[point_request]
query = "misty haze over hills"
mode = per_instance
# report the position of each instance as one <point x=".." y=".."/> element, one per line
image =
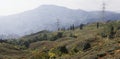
<point x="44" y="17"/>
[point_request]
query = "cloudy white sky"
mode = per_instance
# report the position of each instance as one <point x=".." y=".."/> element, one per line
<point x="8" y="7"/>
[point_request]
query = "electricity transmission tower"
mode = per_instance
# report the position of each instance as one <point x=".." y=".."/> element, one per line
<point x="103" y="10"/>
<point x="103" y="17"/>
<point x="58" y="24"/>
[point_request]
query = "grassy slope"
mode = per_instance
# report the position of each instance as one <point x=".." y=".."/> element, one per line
<point x="8" y="51"/>
<point x="109" y="48"/>
<point x="99" y="45"/>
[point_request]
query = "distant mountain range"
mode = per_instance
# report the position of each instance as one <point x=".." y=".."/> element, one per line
<point x="45" y="17"/>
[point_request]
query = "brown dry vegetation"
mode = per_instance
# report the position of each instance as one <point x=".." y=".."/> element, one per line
<point x="87" y="43"/>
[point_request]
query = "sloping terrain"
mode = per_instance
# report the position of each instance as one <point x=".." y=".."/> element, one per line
<point x="87" y="43"/>
<point x="9" y="51"/>
<point x="45" y="17"/>
<point x="93" y="41"/>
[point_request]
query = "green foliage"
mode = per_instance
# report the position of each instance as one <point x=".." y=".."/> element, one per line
<point x="98" y="25"/>
<point x="82" y="46"/>
<point x="58" y="51"/>
<point x="44" y="37"/>
<point x="78" y="47"/>
<point x="57" y="36"/>
<point x="26" y="43"/>
<point x="81" y="26"/>
<point x="108" y="31"/>
<point x="77" y="44"/>
<point x="73" y="35"/>
<point x="103" y="35"/>
<point x="39" y="55"/>
<point x="72" y="27"/>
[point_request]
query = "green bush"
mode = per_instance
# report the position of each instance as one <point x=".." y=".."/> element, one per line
<point x="73" y="35"/>
<point x="83" y="46"/>
<point x="58" y="51"/>
<point x="103" y="34"/>
<point x="78" y="46"/>
<point x="57" y="36"/>
<point x="39" y="55"/>
<point x="108" y="31"/>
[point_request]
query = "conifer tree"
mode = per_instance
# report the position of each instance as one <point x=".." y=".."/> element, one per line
<point x="81" y="26"/>
<point x="97" y="25"/>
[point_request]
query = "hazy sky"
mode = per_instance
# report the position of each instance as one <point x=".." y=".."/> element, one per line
<point x="8" y="7"/>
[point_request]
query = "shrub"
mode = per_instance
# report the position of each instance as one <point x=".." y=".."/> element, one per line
<point x="73" y="35"/>
<point x="98" y="25"/>
<point x="26" y="43"/>
<point x="81" y="26"/>
<point x="58" y="51"/>
<point x="103" y="35"/>
<point x="59" y="35"/>
<point x="63" y="49"/>
<point x="83" y="46"/>
<point x="52" y="55"/>
<point x="108" y="31"/>
<point x="39" y="55"/>
<point x="72" y="27"/>
<point x="45" y="37"/>
<point x="78" y="46"/>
